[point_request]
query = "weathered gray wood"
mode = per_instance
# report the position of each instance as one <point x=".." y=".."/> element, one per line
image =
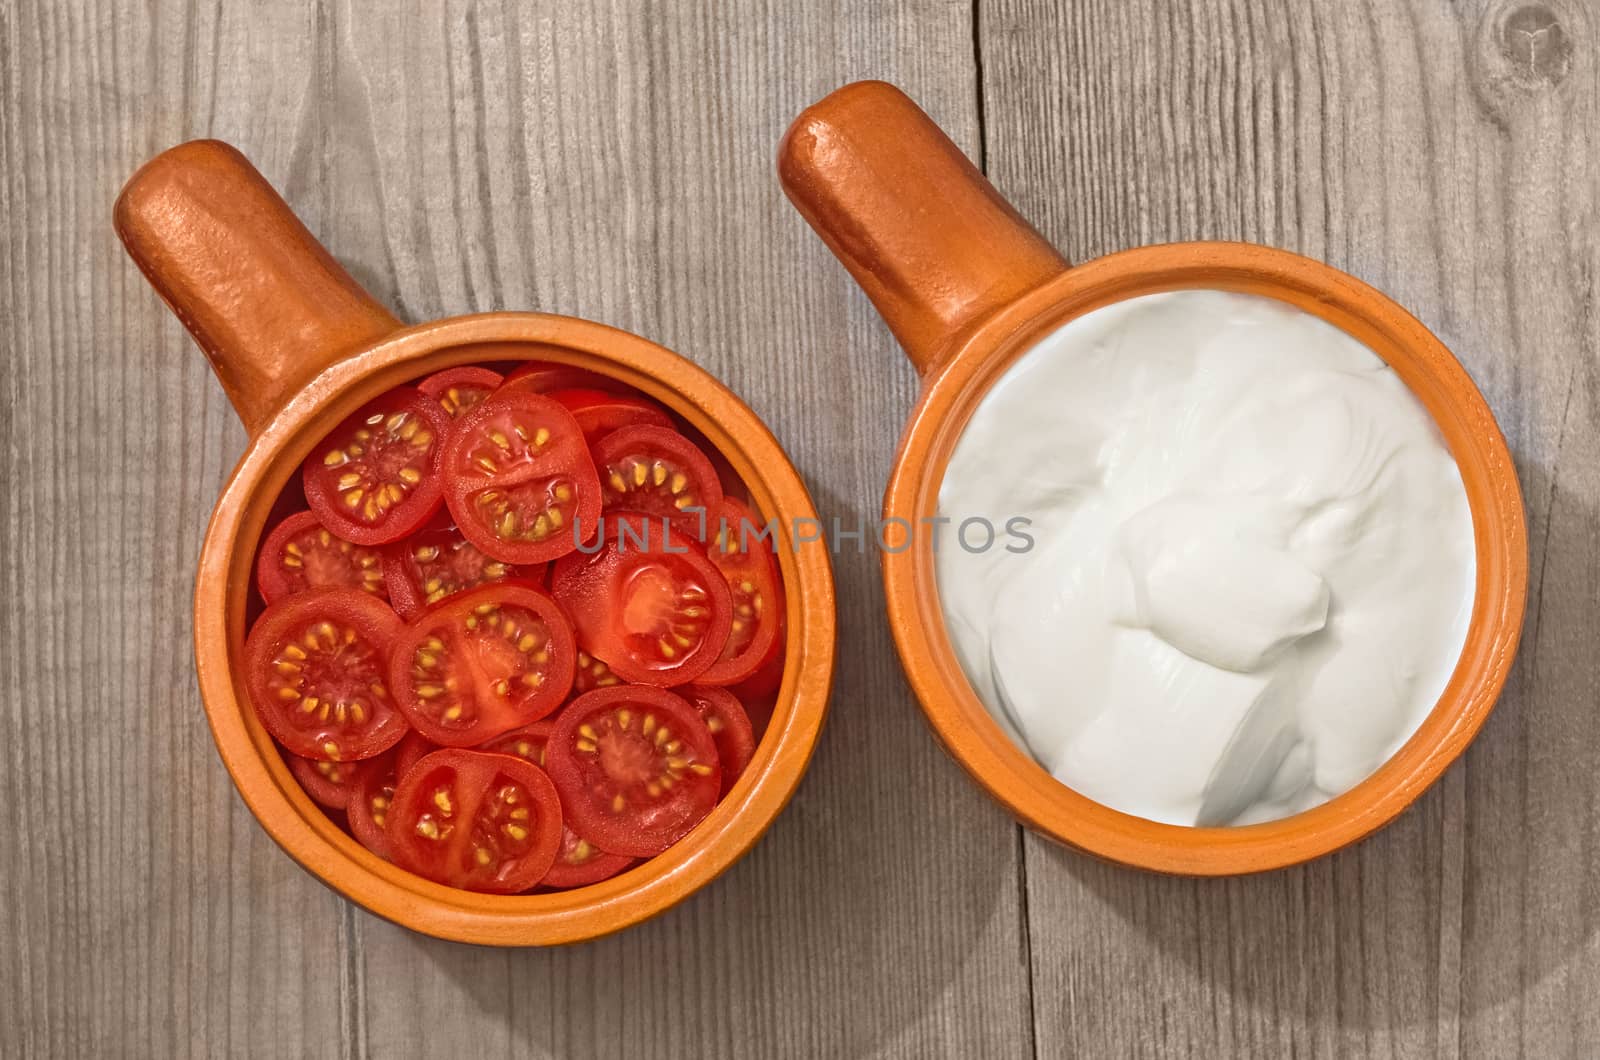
<point x="145" y="913"/>
<point x="1442" y="152"/>
<point x="613" y="161"/>
<point x="632" y="152"/>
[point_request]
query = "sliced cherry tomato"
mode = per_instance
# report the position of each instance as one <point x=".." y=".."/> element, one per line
<point x="768" y="676"/>
<point x="482" y="663"/>
<point x="482" y="822"/>
<point x="730" y="727"/>
<point x="368" y="809"/>
<point x="410" y="750"/>
<point x="759" y="692"/>
<point x="648" y="603"/>
<point x="301" y="553"/>
<point x="527" y="742"/>
<point x="636" y="766"/>
<point x="315" y="666"/>
<point x="592" y="674"/>
<point x="374" y="478"/>
<point x="460" y="390"/>
<point x="732" y="485"/>
<point x="521" y="483"/>
<point x="328" y="783"/>
<point x="579" y="863"/>
<point x="437" y="562"/>
<point x="542" y="377"/>
<point x="599" y="412"/>
<point x="737" y="550"/>
<point x="657" y="471"/>
<point x="372" y="793"/>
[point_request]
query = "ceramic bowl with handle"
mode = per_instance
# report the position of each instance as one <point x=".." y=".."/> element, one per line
<point x="967" y="286"/>
<point x="298" y="346"/>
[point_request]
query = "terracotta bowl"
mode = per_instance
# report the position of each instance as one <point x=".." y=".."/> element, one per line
<point x="298" y="345"/>
<point x="967" y="286"/>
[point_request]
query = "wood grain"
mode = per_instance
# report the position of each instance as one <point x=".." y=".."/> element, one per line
<point x="615" y="161"/>
<point x="1442" y="153"/>
<point x="611" y="161"/>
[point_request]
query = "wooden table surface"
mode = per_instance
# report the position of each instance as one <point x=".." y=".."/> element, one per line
<point x="614" y="161"/>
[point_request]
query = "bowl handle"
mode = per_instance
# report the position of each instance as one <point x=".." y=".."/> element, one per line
<point x="935" y="247"/>
<point x="264" y="300"/>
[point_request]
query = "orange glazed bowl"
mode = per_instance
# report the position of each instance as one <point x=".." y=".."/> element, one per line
<point x="298" y="346"/>
<point x="967" y="287"/>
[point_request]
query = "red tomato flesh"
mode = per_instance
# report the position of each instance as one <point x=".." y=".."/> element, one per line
<point x="657" y="471"/>
<point x="482" y="822"/>
<point x="368" y="808"/>
<point x="592" y="674"/>
<point x="436" y="563"/>
<point x="730" y="728"/>
<point x="752" y="576"/>
<point x="759" y="692"/>
<point x="648" y="603"/>
<point x="374" y="478"/>
<point x="527" y="742"/>
<point x="373" y="793"/>
<point x="411" y="750"/>
<point x="301" y="554"/>
<point x="579" y="861"/>
<point x="543" y="377"/>
<point x="636" y="767"/>
<point x="521" y="484"/>
<point x="315" y="666"/>
<point x="482" y="663"/>
<point x="599" y="413"/>
<point x="460" y="390"/>
<point x="328" y="783"/>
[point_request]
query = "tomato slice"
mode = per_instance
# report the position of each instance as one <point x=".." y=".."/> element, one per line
<point x="482" y="663"/>
<point x="315" y="667"/>
<point x="657" y="471"/>
<point x="521" y="484"/>
<point x="438" y="562"/>
<point x="543" y="377"/>
<point x="527" y="742"/>
<point x="758" y="693"/>
<point x="648" y="603"/>
<point x="301" y="554"/>
<point x="460" y="390"/>
<point x="579" y="861"/>
<point x="592" y="674"/>
<point x="374" y="478"/>
<point x="410" y="750"/>
<point x="328" y="783"/>
<point x="372" y="793"/>
<point x="599" y="413"/>
<point x="368" y="808"/>
<point x="747" y="564"/>
<point x="636" y="767"/>
<point x="730" y="728"/>
<point x="482" y="822"/>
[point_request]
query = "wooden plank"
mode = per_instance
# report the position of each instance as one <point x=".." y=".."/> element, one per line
<point x="590" y="159"/>
<point x="1443" y="153"/>
<point x="146" y="914"/>
<point x="617" y="163"/>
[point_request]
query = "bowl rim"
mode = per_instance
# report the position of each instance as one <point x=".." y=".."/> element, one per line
<point x="966" y="729"/>
<point x="305" y="831"/>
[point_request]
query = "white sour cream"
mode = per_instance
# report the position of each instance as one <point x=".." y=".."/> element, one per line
<point x="1252" y="564"/>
